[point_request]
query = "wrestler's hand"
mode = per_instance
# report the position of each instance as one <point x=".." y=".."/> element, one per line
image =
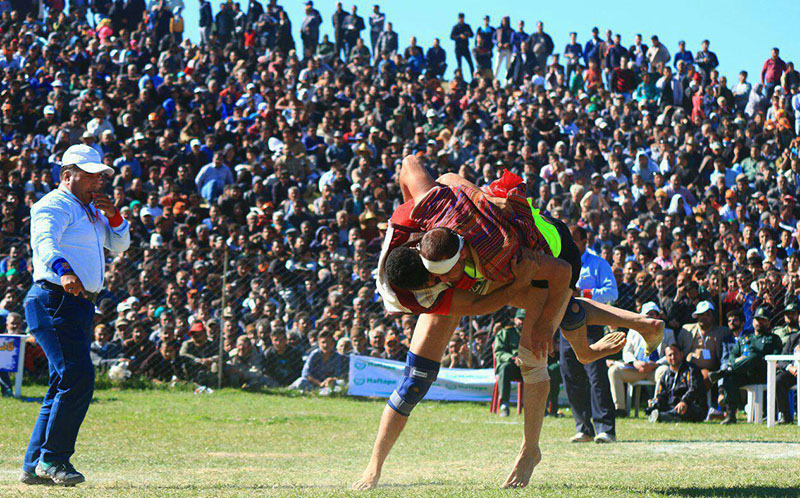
<point x="502" y="203"/>
<point x="542" y="343"/>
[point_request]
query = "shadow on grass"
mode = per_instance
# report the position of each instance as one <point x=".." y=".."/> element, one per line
<point x="737" y="441"/>
<point x="735" y="492"/>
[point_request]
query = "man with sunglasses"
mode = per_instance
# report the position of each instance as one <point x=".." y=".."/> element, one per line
<point x="70" y="228"/>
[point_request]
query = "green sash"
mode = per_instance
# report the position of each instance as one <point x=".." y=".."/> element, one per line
<point x="547" y="229"/>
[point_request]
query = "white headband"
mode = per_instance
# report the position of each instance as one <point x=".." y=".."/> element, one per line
<point x="445" y="265"/>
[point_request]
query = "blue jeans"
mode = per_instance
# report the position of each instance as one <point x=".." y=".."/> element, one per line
<point x="61" y="324"/>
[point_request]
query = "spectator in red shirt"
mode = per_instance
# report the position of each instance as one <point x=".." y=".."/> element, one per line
<point x="772" y="71"/>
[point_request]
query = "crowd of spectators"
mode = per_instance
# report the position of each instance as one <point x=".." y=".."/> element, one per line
<point x="277" y="161"/>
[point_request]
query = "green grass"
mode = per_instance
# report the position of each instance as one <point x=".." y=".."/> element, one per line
<point x="232" y="443"/>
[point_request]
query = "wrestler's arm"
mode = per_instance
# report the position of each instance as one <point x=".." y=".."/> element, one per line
<point x="468" y="303"/>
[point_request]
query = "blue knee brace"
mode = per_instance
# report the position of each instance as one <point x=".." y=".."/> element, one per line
<point x="575" y="316"/>
<point x="419" y="374"/>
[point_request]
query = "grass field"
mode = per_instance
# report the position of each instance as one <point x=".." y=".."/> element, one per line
<point x="232" y="443"/>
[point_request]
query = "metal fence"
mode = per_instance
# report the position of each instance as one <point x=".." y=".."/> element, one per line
<point x="217" y="309"/>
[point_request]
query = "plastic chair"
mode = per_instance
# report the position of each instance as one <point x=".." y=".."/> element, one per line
<point x="755" y="402"/>
<point x="635" y="395"/>
<point x="494" y="404"/>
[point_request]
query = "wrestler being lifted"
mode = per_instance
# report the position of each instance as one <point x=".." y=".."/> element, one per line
<point x="472" y="240"/>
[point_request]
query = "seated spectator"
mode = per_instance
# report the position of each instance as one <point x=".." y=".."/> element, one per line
<point x="393" y="349"/>
<point x="707" y="337"/>
<point x="458" y="354"/>
<point x="637" y="365"/>
<point x="506" y="363"/>
<point x="786" y="378"/>
<point x="103" y="349"/>
<point x="138" y="348"/>
<point x="283" y="363"/>
<point x="200" y="354"/>
<point x="245" y="366"/>
<point x="324" y="369"/>
<point x="344" y="346"/>
<point x="164" y="365"/>
<point x="681" y="394"/>
<point x="375" y="348"/>
<point x="746" y="363"/>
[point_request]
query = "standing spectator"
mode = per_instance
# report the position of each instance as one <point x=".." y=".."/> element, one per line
<point x="176" y="26"/>
<point x="771" y="71"/>
<point x="502" y="39"/>
<point x="353" y="26"/>
<point x="519" y="36"/>
<point x="541" y="44"/>
<point x="338" y="21"/>
<point x="587" y="386"/>
<point x="376" y="26"/>
<point x="657" y="53"/>
<point x="638" y="51"/>
<point x="309" y="30"/>
<point x="706" y="62"/>
<point x="573" y="52"/>
<point x="683" y="55"/>
<point x="460" y="34"/>
<point x="681" y="394"/>
<point x="484" y="43"/>
<point x="747" y="364"/>
<point x="435" y="59"/>
<point x="741" y="92"/>
<point x="592" y="48"/>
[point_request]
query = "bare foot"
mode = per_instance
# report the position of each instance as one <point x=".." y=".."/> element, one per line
<point x="523" y="468"/>
<point x="606" y="346"/>
<point x="653" y="333"/>
<point x="368" y="481"/>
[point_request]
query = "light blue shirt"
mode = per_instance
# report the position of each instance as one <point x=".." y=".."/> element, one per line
<point x="597" y="276"/>
<point x="61" y="228"/>
<point x="209" y="172"/>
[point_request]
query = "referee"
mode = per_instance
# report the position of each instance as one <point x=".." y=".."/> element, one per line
<point x="70" y="226"/>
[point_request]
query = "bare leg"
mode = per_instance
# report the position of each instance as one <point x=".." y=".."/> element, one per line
<point x="535" y="399"/>
<point x="415" y="181"/>
<point x="602" y="314"/>
<point x="431" y="335"/>
<point x="587" y="353"/>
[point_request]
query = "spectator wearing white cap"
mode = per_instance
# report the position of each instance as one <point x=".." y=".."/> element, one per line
<point x="707" y="339"/>
<point x="637" y="364"/>
<point x="70" y="226"/>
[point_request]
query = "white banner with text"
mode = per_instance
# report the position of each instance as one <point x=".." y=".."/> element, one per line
<point x="378" y="378"/>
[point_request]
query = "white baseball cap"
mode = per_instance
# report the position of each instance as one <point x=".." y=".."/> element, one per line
<point x="702" y="307"/>
<point x="650" y="306"/>
<point x="85" y="158"/>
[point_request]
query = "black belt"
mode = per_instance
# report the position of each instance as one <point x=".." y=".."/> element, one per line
<point x="89" y="296"/>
